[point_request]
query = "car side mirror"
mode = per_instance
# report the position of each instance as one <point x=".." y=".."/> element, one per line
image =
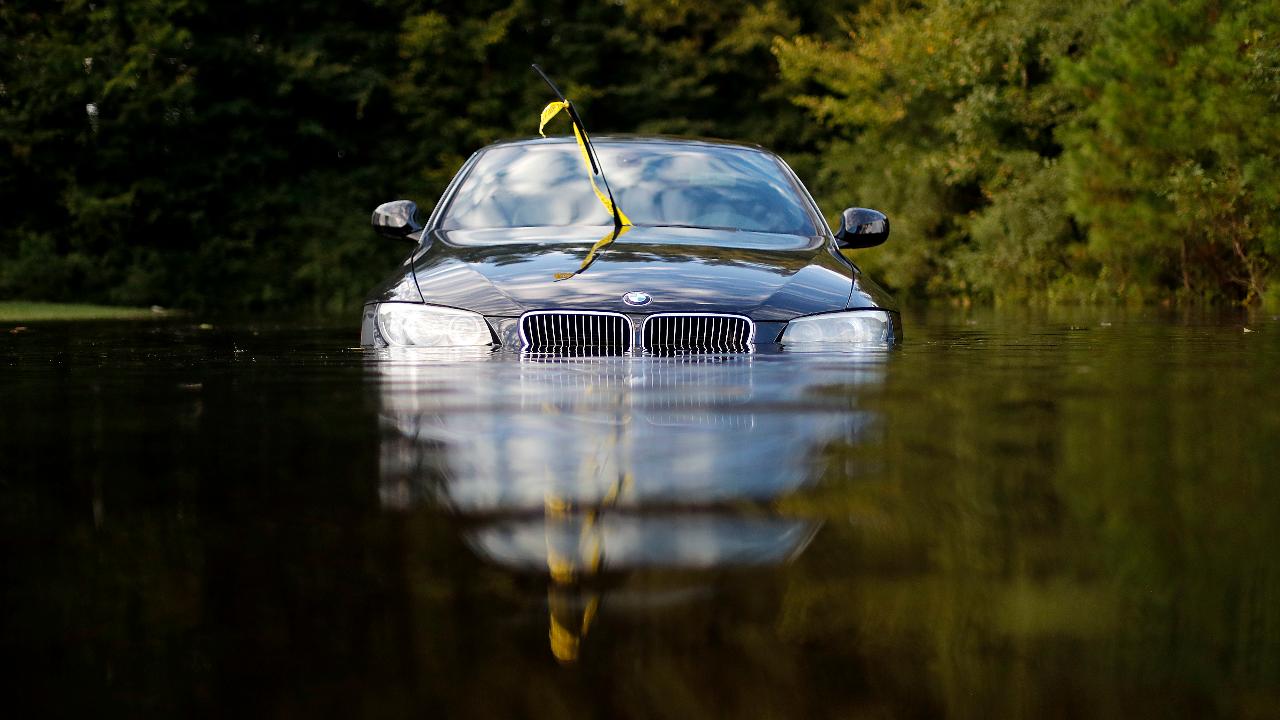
<point x="398" y="220"/>
<point x="862" y="228"/>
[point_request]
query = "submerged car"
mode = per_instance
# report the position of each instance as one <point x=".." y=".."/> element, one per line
<point x="723" y="250"/>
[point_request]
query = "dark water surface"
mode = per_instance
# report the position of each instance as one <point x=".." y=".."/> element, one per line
<point x="1069" y="514"/>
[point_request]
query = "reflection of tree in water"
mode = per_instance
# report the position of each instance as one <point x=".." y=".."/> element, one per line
<point x="1050" y="528"/>
<point x="1026" y="554"/>
<point x="991" y="553"/>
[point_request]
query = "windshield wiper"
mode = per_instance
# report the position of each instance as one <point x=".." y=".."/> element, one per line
<point x="695" y="227"/>
<point x="588" y="150"/>
<point x="621" y="223"/>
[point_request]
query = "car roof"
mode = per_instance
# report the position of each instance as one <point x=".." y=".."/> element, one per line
<point x="618" y="139"/>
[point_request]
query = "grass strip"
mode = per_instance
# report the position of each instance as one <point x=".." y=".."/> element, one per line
<point x="22" y="311"/>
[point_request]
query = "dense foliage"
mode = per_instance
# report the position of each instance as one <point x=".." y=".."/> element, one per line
<point x="198" y="153"/>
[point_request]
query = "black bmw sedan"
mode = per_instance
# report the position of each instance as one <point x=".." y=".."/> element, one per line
<point x="722" y="250"/>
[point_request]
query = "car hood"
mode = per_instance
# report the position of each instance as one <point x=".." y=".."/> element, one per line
<point x="506" y="272"/>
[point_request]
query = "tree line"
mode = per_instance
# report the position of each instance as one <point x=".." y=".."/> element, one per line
<point x="202" y="154"/>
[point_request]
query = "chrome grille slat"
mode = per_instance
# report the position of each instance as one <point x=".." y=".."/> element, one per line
<point x="575" y="331"/>
<point x="697" y="332"/>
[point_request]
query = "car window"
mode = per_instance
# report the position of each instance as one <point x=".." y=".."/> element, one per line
<point x="655" y="184"/>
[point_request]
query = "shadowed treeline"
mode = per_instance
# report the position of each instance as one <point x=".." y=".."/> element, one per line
<point x="191" y="153"/>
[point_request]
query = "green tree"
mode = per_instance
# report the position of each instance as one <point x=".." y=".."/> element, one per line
<point x="200" y="154"/>
<point x="942" y="113"/>
<point x="194" y="154"/>
<point x="1172" y="160"/>
<point x="187" y="153"/>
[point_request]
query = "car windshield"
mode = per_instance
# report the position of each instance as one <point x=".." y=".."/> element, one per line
<point x="657" y="184"/>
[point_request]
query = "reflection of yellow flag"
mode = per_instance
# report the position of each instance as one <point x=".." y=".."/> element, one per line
<point x="591" y="255"/>
<point x="551" y="110"/>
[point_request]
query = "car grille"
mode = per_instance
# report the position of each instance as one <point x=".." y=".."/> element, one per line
<point x="587" y="333"/>
<point x="575" y="332"/>
<point x="697" y="332"/>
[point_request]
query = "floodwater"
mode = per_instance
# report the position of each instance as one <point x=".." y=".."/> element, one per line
<point x="1016" y="514"/>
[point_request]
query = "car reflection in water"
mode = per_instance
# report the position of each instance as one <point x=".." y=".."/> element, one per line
<point x="586" y="469"/>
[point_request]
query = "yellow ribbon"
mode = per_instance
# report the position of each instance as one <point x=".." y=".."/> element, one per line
<point x="551" y="110"/>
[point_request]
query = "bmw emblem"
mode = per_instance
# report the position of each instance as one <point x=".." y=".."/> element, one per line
<point x="637" y="298"/>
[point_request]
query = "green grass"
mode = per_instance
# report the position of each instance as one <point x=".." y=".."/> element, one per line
<point x="19" y="311"/>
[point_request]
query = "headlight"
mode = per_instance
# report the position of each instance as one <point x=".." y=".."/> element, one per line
<point x="854" y="326"/>
<point x="431" y="326"/>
